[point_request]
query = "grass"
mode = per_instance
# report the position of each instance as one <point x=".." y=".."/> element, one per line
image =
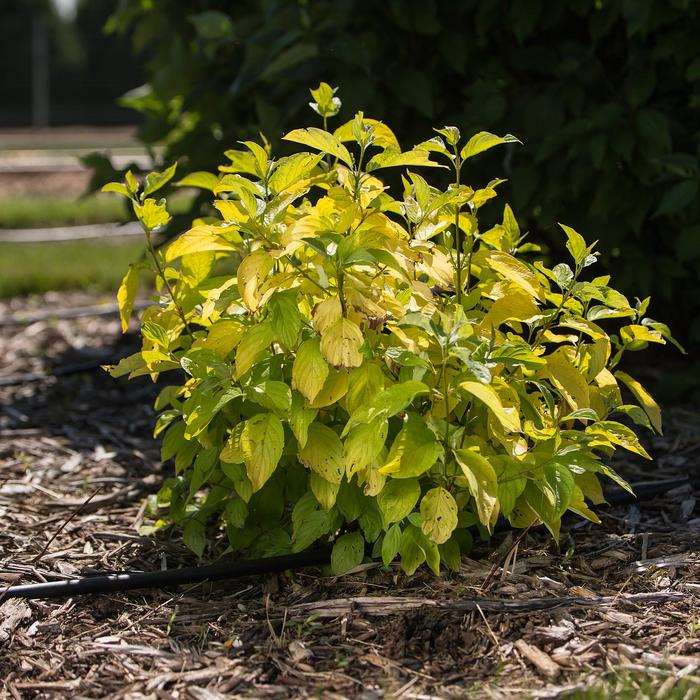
<point x="40" y="211"/>
<point x="630" y="686"/>
<point x="27" y="268"/>
<point x="37" y="212"/>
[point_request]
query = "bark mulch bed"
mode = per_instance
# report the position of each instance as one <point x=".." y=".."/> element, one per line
<point x="628" y="612"/>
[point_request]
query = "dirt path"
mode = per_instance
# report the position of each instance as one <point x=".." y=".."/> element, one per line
<point x="371" y="634"/>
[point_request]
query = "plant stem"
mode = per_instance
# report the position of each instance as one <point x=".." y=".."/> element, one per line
<point x="458" y="237"/>
<point x="161" y="273"/>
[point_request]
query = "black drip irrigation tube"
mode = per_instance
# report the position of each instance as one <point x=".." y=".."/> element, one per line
<point x="135" y="580"/>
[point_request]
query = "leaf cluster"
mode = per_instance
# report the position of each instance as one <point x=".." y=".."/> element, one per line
<point x="375" y="368"/>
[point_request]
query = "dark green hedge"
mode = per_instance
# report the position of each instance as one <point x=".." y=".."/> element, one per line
<point x="605" y="95"/>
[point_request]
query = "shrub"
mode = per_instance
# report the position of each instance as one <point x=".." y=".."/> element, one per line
<point x="363" y="368"/>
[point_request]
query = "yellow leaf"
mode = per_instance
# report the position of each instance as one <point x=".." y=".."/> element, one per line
<point x="231" y="210"/>
<point x="482" y="483"/>
<point x="323" y="453"/>
<point x="127" y="295"/>
<point x="578" y="505"/>
<point x="508" y="418"/>
<point x="307" y="227"/>
<point x="322" y="141"/>
<point x="644" y="397"/>
<point x="517" y="272"/>
<point x="334" y="388"/>
<point x="636" y="333"/>
<point x="261" y="443"/>
<point x="197" y="240"/>
<point x="309" y="370"/>
<point x="324" y="491"/>
<point x="327" y="314"/>
<point x="383" y="136"/>
<point x="618" y="434"/>
<point x="568" y="379"/>
<point x="341" y="342"/>
<point x="438" y="510"/>
<point x="514" y="306"/>
<point x="251" y="272"/>
<point x="222" y="337"/>
<point x="587" y="327"/>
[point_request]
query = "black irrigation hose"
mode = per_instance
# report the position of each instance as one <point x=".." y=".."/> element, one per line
<point x="132" y="580"/>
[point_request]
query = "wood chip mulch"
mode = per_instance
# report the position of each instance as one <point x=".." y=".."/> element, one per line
<point x="520" y="619"/>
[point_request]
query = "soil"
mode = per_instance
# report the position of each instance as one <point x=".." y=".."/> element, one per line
<point x="520" y="619"/>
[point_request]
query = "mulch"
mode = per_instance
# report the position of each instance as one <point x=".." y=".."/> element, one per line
<point x="522" y="618"/>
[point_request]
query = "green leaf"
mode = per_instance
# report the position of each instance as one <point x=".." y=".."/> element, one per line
<point x="348" y="552"/>
<point x="290" y="172"/>
<point x="309" y="370"/>
<point x="412" y="554"/>
<point x="208" y="405"/>
<point x="511" y="483"/>
<point x="416" y="548"/>
<point x="414" y="450"/>
<point x="300" y="418"/>
<point x="391" y="544"/>
<point x="393" y="158"/>
<point x="326" y="103"/>
<point x="550" y="495"/>
<point x="262" y="441"/>
<point x="251" y="273"/>
<point x="194" y="536"/>
<point x="201" y="179"/>
<point x="154" y="181"/>
<point x="236" y="512"/>
<point x="155" y="333"/>
<point x="276" y="396"/>
<point x="371" y="521"/>
<point x="451" y="554"/>
<point x="323" y="453"/>
<point x="212" y="25"/>
<point x="363" y="445"/>
<point x="254" y="343"/>
<point x="677" y="198"/>
<point x="438" y="510"/>
<point x="118" y="188"/>
<point x="397" y="499"/>
<point x="483" y="141"/>
<point x="309" y="522"/>
<point x="575" y="244"/>
<point x="322" y="141"/>
<point x="352" y="502"/>
<point x="482" y="483"/>
<point x="388" y="402"/>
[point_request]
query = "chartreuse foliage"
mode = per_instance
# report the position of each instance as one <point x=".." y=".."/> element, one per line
<point x="365" y="368"/>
